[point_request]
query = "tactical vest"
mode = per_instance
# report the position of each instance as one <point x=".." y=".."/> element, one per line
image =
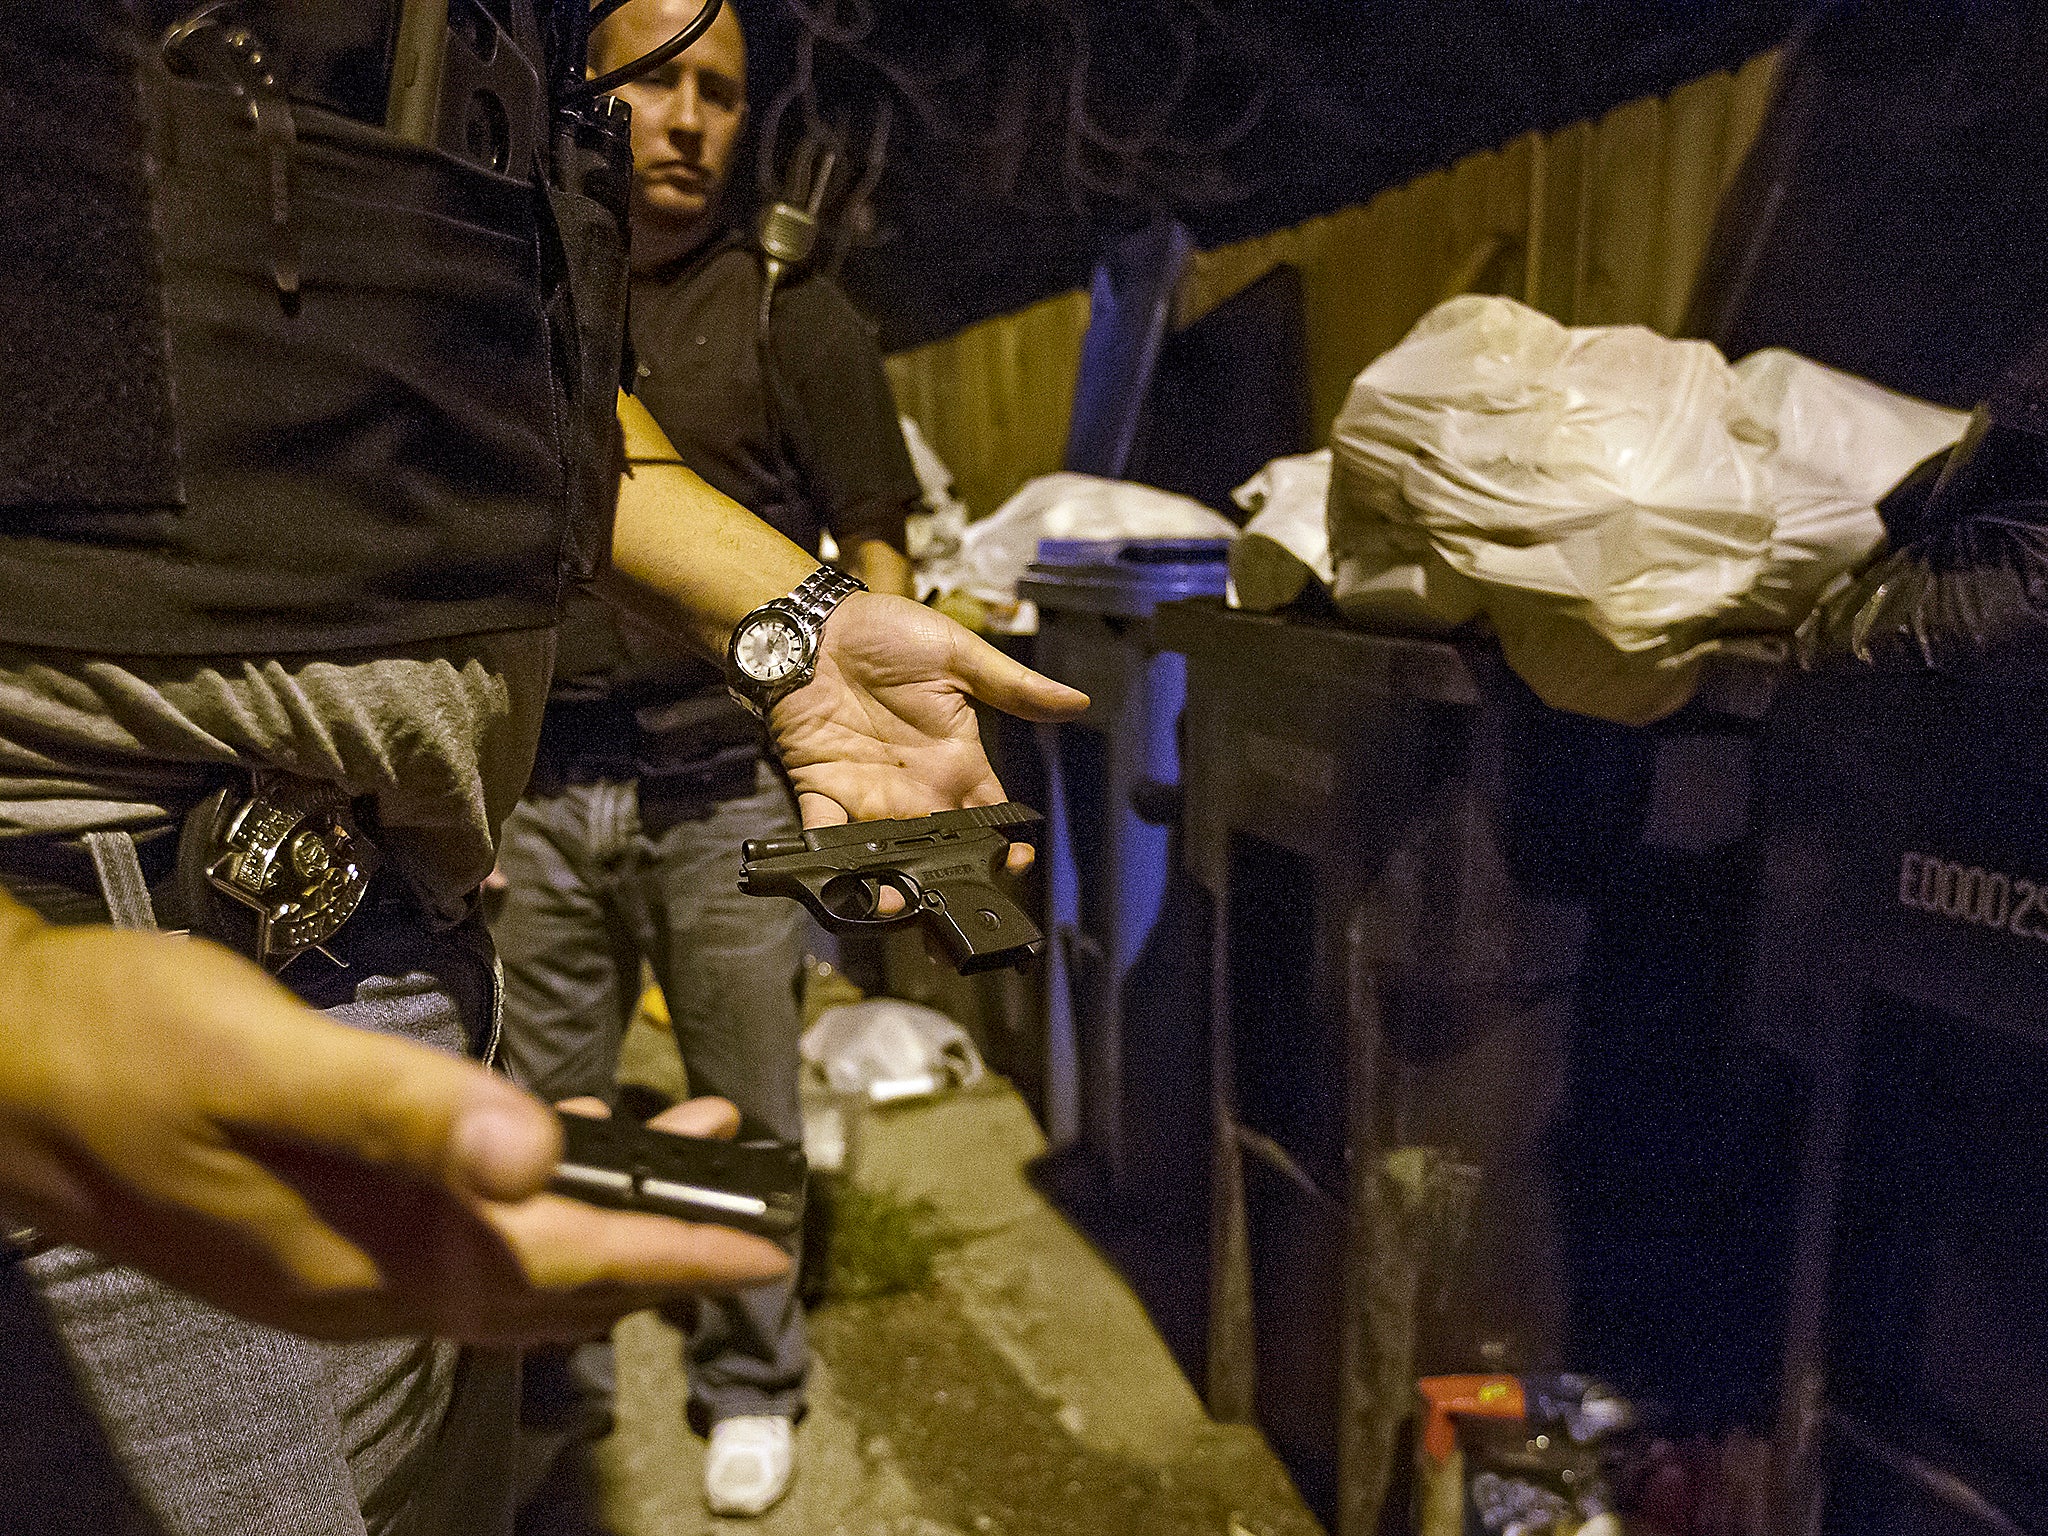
<point x="326" y="390"/>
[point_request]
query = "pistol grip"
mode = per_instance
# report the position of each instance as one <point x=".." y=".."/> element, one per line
<point x="980" y="927"/>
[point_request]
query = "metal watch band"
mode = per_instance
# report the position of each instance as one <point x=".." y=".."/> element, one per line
<point x="814" y="598"/>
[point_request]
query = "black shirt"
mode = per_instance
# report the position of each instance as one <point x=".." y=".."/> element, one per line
<point x="695" y="330"/>
<point x="838" y="461"/>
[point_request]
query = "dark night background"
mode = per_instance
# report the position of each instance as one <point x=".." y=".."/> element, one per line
<point x="1237" y="118"/>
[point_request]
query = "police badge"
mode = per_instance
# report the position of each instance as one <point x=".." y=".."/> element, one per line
<point x="292" y="854"/>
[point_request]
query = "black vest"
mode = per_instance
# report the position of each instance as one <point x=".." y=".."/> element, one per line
<point x="415" y="447"/>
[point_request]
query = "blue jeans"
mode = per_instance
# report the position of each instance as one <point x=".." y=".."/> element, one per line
<point x="590" y="893"/>
<point x="130" y="1409"/>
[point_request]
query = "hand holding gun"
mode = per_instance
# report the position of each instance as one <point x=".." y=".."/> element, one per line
<point x="943" y="866"/>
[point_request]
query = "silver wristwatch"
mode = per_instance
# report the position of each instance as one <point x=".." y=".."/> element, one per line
<point x="774" y="649"/>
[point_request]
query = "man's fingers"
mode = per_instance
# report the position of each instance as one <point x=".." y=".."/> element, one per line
<point x="389" y="1102"/>
<point x="251" y="1241"/>
<point x="563" y="1245"/>
<point x="1005" y="683"/>
<point x="818" y="810"/>
<point x="261" y="1203"/>
<point x="991" y="792"/>
<point x="699" y="1117"/>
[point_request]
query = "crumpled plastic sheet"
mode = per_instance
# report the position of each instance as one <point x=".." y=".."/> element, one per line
<point x="996" y="551"/>
<point x="1286" y="543"/>
<point x="1610" y="500"/>
<point x="886" y="1048"/>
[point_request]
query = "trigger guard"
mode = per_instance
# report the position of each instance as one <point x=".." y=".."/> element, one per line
<point x="911" y="892"/>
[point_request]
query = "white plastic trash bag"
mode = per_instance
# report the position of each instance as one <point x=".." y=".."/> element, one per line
<point x="1286" y="544"/>
<point x="887" y="1049"/>
<point x="1610" y="499"/>
<point x="931" y="537"/>
<point x="1592" y="467"/>
<point x="995" y="551"/>
<point x="1839" y="444"/>
<point x="934" y="475"/>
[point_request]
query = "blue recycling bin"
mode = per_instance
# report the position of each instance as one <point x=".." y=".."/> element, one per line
<point x="1126" y="1049"/>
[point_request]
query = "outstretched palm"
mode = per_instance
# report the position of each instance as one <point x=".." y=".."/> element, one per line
<point x="887" y="727"/>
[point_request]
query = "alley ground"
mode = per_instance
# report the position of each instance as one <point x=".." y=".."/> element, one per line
<point x="1022" y="1392"/>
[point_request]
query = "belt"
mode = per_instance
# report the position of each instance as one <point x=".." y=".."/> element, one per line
<point x="585" y="742"/>
<point x="277" y="869"/>
<point x="604" y="743"/>
<point x="35" y="860"/>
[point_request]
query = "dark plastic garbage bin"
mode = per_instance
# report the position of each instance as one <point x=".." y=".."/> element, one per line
<point x="1902" y="969"/>
<point x="1474" y="974"/>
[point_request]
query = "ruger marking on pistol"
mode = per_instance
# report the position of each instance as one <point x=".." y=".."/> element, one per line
<point x="944" y="867"/>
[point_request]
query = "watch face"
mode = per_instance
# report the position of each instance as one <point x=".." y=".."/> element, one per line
<point x="769" y="649"/>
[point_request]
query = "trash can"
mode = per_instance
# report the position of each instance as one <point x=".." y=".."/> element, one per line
<point x="1443" y="914"/>
<point x="1126" y="1045"/>
<point x="1902" y="976"/>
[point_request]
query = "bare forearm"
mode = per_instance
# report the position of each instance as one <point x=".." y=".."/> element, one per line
<point x="882" y="567"/>
<point x="683" y="552"/>
<point x="884" y="725"/>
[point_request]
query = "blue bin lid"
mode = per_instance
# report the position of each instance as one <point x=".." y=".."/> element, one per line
<point x="1132" y="551"/>
<point x="1124" y="576"/>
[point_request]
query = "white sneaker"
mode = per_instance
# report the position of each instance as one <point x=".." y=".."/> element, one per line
<point x="749" y="1463"/>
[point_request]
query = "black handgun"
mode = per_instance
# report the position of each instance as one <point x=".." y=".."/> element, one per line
<point x="943" y="866"/>
<point x="754" y="1186"/>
